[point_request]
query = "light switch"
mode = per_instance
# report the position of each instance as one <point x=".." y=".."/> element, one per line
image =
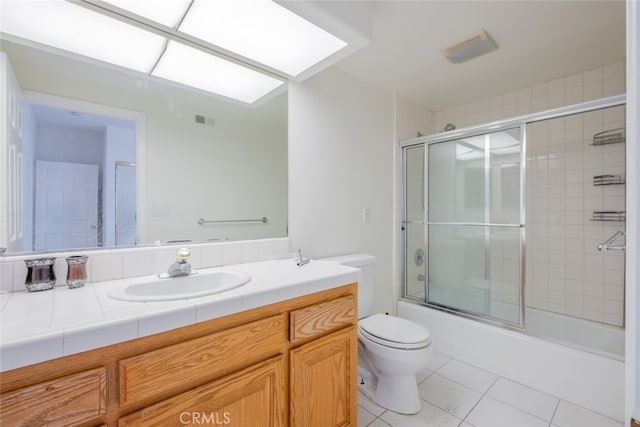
<point x="366" y="214"/>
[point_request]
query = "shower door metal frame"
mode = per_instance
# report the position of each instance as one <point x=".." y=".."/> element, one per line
<point x="486" y="128"/>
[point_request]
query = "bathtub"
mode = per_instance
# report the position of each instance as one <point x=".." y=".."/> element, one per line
<point x="585" y="378"/>
<point x="586" y="335"/>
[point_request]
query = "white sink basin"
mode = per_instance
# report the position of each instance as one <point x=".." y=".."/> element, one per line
<point x="195" y="285"/>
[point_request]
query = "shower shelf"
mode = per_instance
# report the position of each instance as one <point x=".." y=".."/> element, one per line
<point x="613" y="136"/>
<point x="608" y="180"/>
<point x="609" y="216"/>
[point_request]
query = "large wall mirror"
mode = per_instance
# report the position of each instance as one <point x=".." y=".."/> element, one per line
<point x="160" y="158"/>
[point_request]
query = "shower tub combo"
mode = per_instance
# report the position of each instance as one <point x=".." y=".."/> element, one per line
<point x="513" y="248"/>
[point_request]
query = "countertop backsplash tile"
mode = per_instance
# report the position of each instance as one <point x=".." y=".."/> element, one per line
<point x="114" y="264"/>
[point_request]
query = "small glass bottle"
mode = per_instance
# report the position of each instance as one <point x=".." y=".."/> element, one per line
<point x="76" y="271"/>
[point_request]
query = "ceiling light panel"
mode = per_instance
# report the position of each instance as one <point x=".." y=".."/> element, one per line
<point x="213" y="74"/>
<point x="166" y="12"/>
<point x="69" y="27"/>
<point x="263" y="31"/>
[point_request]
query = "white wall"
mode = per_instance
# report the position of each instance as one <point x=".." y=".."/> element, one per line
<point x="69" y="145"/>
<point x="236" y="169"/>
<point x="341" y="161"/>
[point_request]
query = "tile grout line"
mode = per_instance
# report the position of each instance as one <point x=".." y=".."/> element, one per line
<point x="464" y="419"/>
<point x="519" y="409"/>
<point x="554" y="412"/>
<point x="498" y="400"/>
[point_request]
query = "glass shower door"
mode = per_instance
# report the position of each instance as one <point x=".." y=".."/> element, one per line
<point x="415" y="274"/>
<point x="474" y="225"/>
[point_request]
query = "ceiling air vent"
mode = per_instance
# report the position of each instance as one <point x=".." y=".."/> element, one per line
<point x="205" y="120"/>
<point x="473" y="47"/>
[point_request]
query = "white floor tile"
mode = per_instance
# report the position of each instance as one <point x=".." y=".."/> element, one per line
<point x="364" y="417"/>
<point x="491" y="413"/>
<point x="454" y="397"/>
<point x="524" y="398"/>
<point x="370" y="405"/>
<point x="448" y="395"/>
<point x="570" y="415"/>
<point x="428" y="416"/>
<point x="436" y="361"/>
<point x="467" y="375"/>
<point x="379" y="423"/>
<point x="422" y="375"/>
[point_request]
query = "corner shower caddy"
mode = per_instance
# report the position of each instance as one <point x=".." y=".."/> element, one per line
<point x="613" y="136"/>
<point x="608" y="180"/>
<point x="609" y="216"/>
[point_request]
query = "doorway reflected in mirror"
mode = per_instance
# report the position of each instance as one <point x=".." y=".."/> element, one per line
<point x="74" y="194"/>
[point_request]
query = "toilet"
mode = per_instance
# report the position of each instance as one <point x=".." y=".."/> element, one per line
<point x="391" y="350"/>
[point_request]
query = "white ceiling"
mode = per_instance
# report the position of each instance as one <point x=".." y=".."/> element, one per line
<point x="539" y="41"/>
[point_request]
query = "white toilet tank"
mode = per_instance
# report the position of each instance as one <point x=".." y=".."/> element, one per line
<point x="367" y="264"/>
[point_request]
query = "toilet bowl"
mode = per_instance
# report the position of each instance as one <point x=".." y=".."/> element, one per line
<point x="394" y="349"/>
<point x="391" y="350"/>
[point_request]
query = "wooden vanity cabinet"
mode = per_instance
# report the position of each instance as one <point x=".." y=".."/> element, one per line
<point x="255" y="396"/>
<point x="323" y="370"/>
<point x="292" y="363"/>
<point x="323" y="375"/>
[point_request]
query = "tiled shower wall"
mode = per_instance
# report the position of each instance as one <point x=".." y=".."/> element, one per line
<point x="565" y="273"/>
<point x="573" y="89"/>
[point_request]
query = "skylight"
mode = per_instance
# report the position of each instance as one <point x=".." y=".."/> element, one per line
<point x="252" y="31"/>
<point x="68" y="27"/>
<point x="263" y="31"/>
<point x="213" y="74"/>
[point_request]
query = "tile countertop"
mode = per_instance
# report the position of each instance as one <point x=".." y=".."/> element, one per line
<point x="40" y="326"/>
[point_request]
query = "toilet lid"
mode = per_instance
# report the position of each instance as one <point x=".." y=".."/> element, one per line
<point x="394" y="331"/>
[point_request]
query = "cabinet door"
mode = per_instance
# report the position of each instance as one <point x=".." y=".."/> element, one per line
<point x="70" y="400"/>
<point x="252" y="397"/>
<point x="323" y="381"/>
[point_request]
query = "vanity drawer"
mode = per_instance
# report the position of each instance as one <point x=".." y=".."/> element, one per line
<point x="190" y="363"/>
<point x="68" y="400"/>
<point x="254" y="396"/>
<point x="309" y="321"/>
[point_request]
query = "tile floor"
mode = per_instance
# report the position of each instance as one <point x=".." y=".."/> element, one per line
<point x="457" y="394"/>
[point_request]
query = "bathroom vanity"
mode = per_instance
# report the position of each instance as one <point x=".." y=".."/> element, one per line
<point x="287" y="362"/>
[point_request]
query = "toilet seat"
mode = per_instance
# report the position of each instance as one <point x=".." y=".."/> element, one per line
<point x="394" y="332"/>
